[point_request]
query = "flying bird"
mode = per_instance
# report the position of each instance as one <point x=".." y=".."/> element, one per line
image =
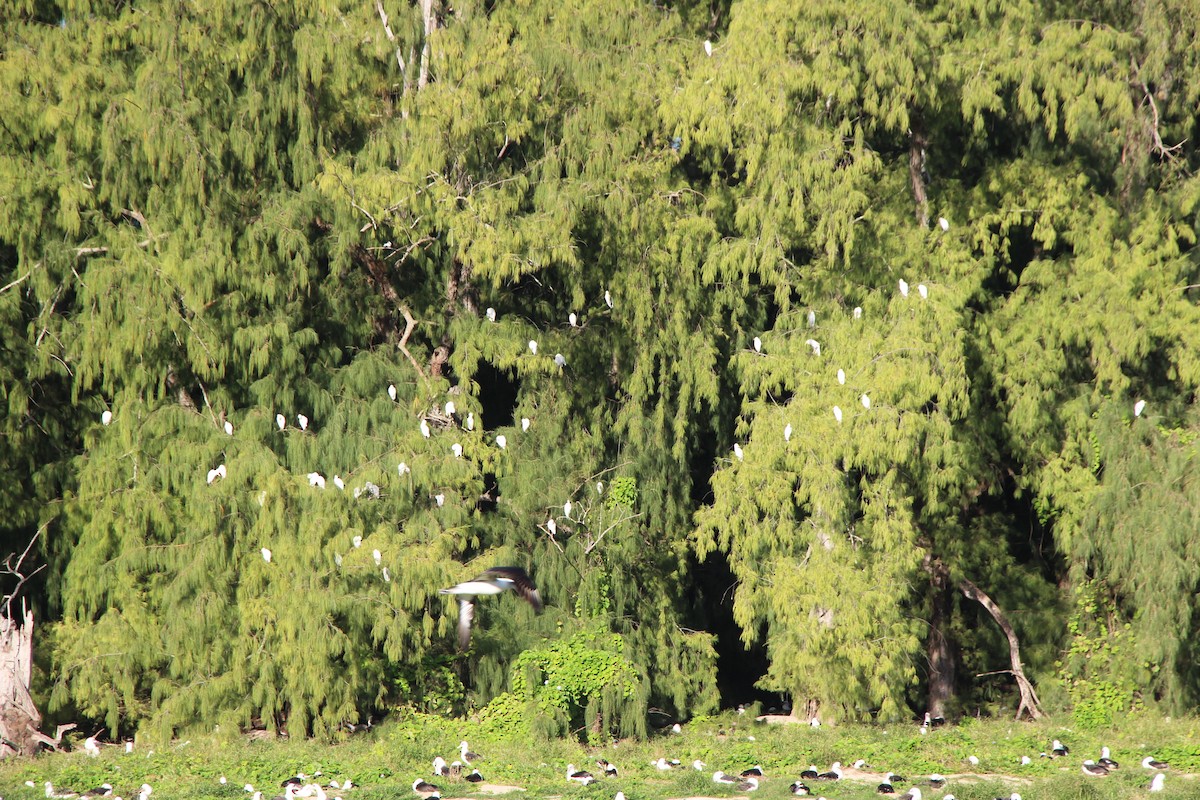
<point x="492" y="581"/>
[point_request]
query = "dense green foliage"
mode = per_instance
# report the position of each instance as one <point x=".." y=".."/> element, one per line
<point x="853" y="299"/>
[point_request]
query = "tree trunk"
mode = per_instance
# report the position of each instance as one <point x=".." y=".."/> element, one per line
<point x="942" y="662"/>
<point x="916" y="169"/>
<point x="1029" y="699"/>
<point x="19" y="717"/>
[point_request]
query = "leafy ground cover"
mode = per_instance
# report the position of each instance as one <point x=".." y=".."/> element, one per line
<point x="383" y="762"/>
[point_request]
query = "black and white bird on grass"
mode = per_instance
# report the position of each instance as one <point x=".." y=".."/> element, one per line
<point x="799" y="789"/>
<point x="1106" y="761"/>
<point x="1150" y="762"/>
<point x="579" y="776"/>
<point x="912" y="794"/>
<point x="809" y="774"/>
<point x="1095" y="770"/>
<point x="1013" y="796"/>
<point x="424" y="788"/>
<point x="754" y="772"/>
<point x="748" y="785"/>
<point x="609" y="769"/>
<point x="492" y="581"/>
<point x="103" y="790"/>
<point x="834" y="773"/>
<point x="474" y="777"/>
<point x="889" y="784"/>
<point x="937" y="781"/>
<point x="467" y="755"/>
<point x="1058" y="749"/>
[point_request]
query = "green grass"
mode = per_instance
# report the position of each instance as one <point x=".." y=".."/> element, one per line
<point x="383" y="763"/>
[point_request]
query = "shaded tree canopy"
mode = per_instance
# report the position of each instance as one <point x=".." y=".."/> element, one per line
<point x="309" y="311"/>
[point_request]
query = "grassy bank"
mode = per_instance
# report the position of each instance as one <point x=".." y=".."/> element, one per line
<point x="383" y="762"/>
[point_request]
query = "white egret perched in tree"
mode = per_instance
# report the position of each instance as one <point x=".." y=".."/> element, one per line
<point x="213" y="474"/>
<point x="450" y="408"/>
<point x="229" y="427"/>
<point x="502" y="441"/>
<point x="923" y="290"/>
<point x="456" y="449"/>
<point x="857" y="312"/>
<point x="424" y="429"/>
<point x="470" y="420"/>
<point x="106" y="417"/>
<point x="567" y="509"/>
<point x="815" y="345"/>
<point x="841" y="376"/>
<point x="708" y="48"/>
<point x="608" y="301"/>
<point x="356" y="541"/>
<point x="837" y="414"/>
<point x="533" y="347"/>
<point x="392" y="391"/>
<point x="1138" y="407"/>
<point x="560" y="360"/>
<point x="302" y="421"/>
<point x="378" y="556"/>
<point x="572" y="319"/>
<point x="492" y="581"/>
<point x="737" y="451"/>
<point x="491" y="314"/>
<point x="944" y="223"/>
<point x="903" y="288"/>
<point x="787" y="432"/>
<point x="440" y="499"/>
<point x="552" y="526"/>
<point x="866" y="401"/>
<point x="316" y="479"/>
<point x="757" y="345"/>
<point x="402" y="468"/>
<point x="266" y="554"/>
<point x="339" y="483"/>
<point x="281" y="421"/>
<point x="524" y="423"/>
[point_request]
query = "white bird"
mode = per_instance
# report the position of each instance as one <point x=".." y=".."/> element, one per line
<point x="440" y="499"/>
<point x="470" y="420"/>
<point x="106" y="417"/>
<point x="339" y="483"/>
<point x="450" y="408"/>
<point x="222" y="780"/>
<point x="974" y="760"/>
<point x="572" y="319"/>
<point x="698" y="765"/>
<point x="402" y="468"/>
<point x="676" y="728"/>
<point x="837" y="414"/>
<point x="841" y="376"/>
<point x="663" y="765"/>
<point x="1139" y="407"/>
<point x="387" y="576"/>
<point x="866" y="401"/>
<point x="1156" y="785"/>
<point x="266" y="554"/>
<point x="129" y="746"/>
<point x="944" y="223"/>
<point x="439" y="767"/>
<point x="281" y="421"/>
<point x="1026" y="761"/>
<point x="552" y="526"/>
<point x="619" y="796"/>
<point x="524" y="423"/>
<point x="465" y="751"/>
<point x="903" y="288"/>
<point x="608" y="299"/>
<point x="91" y="746"/>
<point x="302" y="421"/>
<point x="337" y="559"/>
<point x="378" y="556"/>
<point x="815" y="345"/>
<point x="721" y="777"/>
<point x="757" y="345"/>
<point x="912" y="794"/>
<point x="316" y="479"/>
<point x="923" y="290"/>
<point x="533" y="347"/>
<point x="599" y="487"/>
<point x="1092" y="768"/>
<point x="579" y="776"/>
<point x="787" y="432"/>
<point x="392" y="390"/>
<point x="491" y="314"/>
<point x="456" y="448"/>
<point x="812" y="319"/>
<point x="492" y="581"/>
<point x="501" y="441"/>
<point x="560" y="360"/>
<point x="1150" y="762"/>
<point x="567" y="509"/>
<point x="144" y="792"/>
<point x="424" y="429"/>
<point x="219" y="472"/>
<point x="737" y="451"/>
<point x="425" y="788"/>
<point x="228" y="427"/>
<point x="708" y="48"/>
<point x="857" y="312"/>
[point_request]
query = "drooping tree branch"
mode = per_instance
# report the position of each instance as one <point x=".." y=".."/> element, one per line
<point x="1029" y="699"/>
<point x="917" y="141"/>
